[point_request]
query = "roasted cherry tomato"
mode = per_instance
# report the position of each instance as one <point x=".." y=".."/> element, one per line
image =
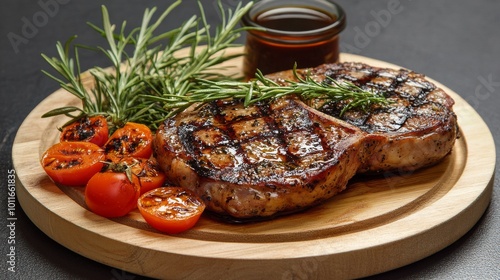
<point x="89" y="129"/>
<point x="72" y="163"/>
<point x="148" y="170"/>
<point x="112" y="194"/>
<point x="170" y="209"/>
<point x="131" y="140"/>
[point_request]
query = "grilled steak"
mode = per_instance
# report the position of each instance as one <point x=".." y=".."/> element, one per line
<point x="283" y="156"/>
<point x="259" y="160"/>
<point x="418" y="129"/>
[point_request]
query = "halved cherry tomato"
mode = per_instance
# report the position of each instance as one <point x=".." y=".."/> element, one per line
<point x="131" y="140"/>
<point x="89" y="129"/>
<point x="148" y="170"/>
<point x="72" y="163"/>
<point x="170" y="209"/>
<point x="111" y="194"/>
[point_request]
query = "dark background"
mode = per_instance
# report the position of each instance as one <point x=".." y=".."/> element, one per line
<point x="454" y="42"/>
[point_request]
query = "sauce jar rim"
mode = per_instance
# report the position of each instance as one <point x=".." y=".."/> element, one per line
<point x="330" y="30"/>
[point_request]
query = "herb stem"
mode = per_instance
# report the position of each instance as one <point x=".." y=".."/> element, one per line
<point x="262" y="88"/>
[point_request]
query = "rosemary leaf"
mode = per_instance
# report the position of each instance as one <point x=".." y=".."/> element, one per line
<point x="61" y="111"/>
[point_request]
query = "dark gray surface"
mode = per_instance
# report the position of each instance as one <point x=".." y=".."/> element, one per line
<point x="454" y="42"/>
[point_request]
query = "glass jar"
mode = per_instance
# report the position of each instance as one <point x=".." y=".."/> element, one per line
<point x="287" y="32"/>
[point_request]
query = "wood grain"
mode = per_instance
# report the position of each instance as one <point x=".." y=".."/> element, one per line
<point x="377" y="224"/>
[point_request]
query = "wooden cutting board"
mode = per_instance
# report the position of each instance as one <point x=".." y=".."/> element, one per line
<point x="377" y="224"/>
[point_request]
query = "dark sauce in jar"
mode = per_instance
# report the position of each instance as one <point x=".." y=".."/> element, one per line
<point x="294" y="19"/>
<point x="305" y="34"/>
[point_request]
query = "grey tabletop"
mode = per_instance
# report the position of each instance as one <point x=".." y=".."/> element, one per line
<point x="454" y="42"/>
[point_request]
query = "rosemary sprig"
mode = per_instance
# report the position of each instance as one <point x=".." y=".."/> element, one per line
<point x="205" y="54"/>
<point x="72" y="83"/>
<point x="336" y="91"/>
<point x="262" y="88"/>
<point x="152" y="68"/>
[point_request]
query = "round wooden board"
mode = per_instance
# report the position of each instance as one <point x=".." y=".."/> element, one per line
<point x="377" y="224"/>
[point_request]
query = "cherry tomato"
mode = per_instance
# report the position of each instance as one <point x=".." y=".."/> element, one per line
<point x="89" y="129"/>
<point x="131" y="140"/>
<point x="170" y="209"/>
<point x="112" y="194"/>
<point x="148" y="170"/>
<point x="72" y="163"/>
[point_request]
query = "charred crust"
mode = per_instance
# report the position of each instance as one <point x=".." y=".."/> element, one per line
<point x="408" y="90"/>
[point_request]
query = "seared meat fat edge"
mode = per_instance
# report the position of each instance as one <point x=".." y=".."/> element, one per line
<point x="284" y="156"/>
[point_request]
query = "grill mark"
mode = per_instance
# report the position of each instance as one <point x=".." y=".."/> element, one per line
<point x="402" y="83"/>
<point x="282" y="124"/>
